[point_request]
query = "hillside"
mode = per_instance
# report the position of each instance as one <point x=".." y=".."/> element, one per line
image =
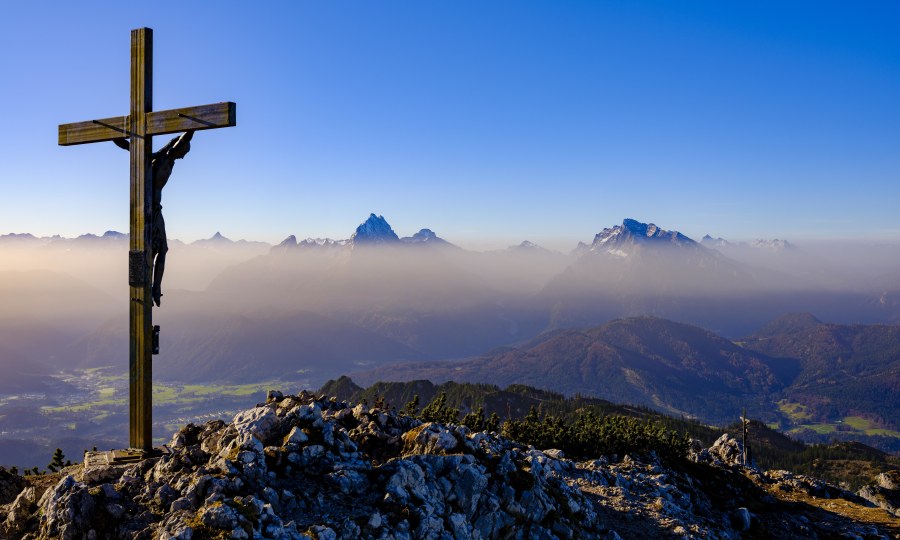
<point x="847" y="370"/>
<point x="672" y="367"/>
<point x="851" y="465"/>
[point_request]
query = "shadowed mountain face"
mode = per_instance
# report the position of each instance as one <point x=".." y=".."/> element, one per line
<point x="847" y="369"/>
<point x="669" y="366"/>
<point x="374" y="230"/>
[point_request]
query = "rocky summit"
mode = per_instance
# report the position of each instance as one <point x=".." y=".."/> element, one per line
<point x="375" y="230"/>
<point x="302" y="466"/>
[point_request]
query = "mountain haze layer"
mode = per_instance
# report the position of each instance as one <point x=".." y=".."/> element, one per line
<point x="378" y="296"/>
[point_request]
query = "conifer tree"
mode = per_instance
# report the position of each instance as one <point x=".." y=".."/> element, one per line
<point x="412" y="407"/>
<point x="475" y="420"/>
<point x="493" y="423"/>
<point x="58" y="461"/>
<point x="438" y="411"/>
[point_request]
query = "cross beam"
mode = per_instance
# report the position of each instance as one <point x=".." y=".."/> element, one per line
<point x="140" y="125"/>
<point x="216" y="115"/>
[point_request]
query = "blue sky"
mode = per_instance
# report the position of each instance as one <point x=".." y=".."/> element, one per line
<point x="489" y="122"/>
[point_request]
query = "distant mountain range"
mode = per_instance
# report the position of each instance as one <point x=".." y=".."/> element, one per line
<point x="760" y="243"/>
<point x="795" y="370"/>
<point x="110" y="237"/>
<point x="376" y="230"/>
<point x="379" y="297"/>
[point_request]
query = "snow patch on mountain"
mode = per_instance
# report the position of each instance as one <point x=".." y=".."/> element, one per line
<point x="620" y="240"/>
<point x="322" y="242"/>
<point x="774" y="245"/>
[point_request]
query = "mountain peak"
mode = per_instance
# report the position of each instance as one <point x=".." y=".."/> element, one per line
<point x="321" y="242"/>
<point x="714" y="242"/>
<point x="213" y="240"/>
<point x="631" y="232"/>
<point x="375" y="230"/>
<point x="774" y="244"/>
<point x="529" y="246"/>
<point x="790" y="322"/>
<point x="289" y="242"/>
<point x="18" y="236"/>
<point x="425" y="236"/>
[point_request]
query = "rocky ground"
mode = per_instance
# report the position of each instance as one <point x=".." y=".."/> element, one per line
<point x="302" y="466"/>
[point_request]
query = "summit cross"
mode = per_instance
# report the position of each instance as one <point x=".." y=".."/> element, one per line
<point x="141" y="124"/>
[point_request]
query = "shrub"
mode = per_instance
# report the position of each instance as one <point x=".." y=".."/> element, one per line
<point x="590" y="436"/>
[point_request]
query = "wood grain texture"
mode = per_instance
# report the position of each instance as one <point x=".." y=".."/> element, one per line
<point x="216" y="115"/>
<point x="105" y="129"/>
<point x="140" y="388"/>
<point x="212" y="116"/>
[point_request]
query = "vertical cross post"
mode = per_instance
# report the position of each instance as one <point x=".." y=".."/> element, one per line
<point x="140" y="389"/>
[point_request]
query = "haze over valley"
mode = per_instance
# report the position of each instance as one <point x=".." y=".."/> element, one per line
<point x="664" y="321"/>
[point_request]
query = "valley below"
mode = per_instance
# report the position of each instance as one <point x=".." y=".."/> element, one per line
<point x="88" y="408"/>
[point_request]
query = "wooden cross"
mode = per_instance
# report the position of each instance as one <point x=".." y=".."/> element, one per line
<point x="140" y="126"/>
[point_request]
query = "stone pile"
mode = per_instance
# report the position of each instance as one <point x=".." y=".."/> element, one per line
<point x="308" y="467"/>
<point x="298" y="467"/>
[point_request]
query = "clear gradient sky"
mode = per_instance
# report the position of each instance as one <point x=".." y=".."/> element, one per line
<point x="489" y="122"/>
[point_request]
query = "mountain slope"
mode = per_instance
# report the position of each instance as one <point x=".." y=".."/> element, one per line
<point x="847" y="464"/>
<point x="673" y="367"/>
<point x="847" y="369"/>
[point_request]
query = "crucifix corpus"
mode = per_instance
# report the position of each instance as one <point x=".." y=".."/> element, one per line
<point x="149" y="173"/>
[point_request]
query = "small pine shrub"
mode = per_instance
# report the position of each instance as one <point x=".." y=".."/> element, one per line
<point x="590" y="436"/>
<point x="439" y="411"/>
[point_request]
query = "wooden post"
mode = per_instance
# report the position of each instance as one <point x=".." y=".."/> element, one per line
<point x="140" y="388"/>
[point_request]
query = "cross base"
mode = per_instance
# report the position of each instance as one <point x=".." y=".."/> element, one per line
<point x="127" y="455"/>
<point x="107" y="466"/>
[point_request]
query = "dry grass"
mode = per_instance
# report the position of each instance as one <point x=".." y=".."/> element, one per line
<point x="847" y="509"/>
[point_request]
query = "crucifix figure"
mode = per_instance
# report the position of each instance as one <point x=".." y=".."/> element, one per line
<point x="147" y="233"/>
<point x="161" y="163"/>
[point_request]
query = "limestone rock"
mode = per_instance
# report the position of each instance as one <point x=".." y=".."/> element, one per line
<point x="884" y="492"/>
<point x="301" y="466"/>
